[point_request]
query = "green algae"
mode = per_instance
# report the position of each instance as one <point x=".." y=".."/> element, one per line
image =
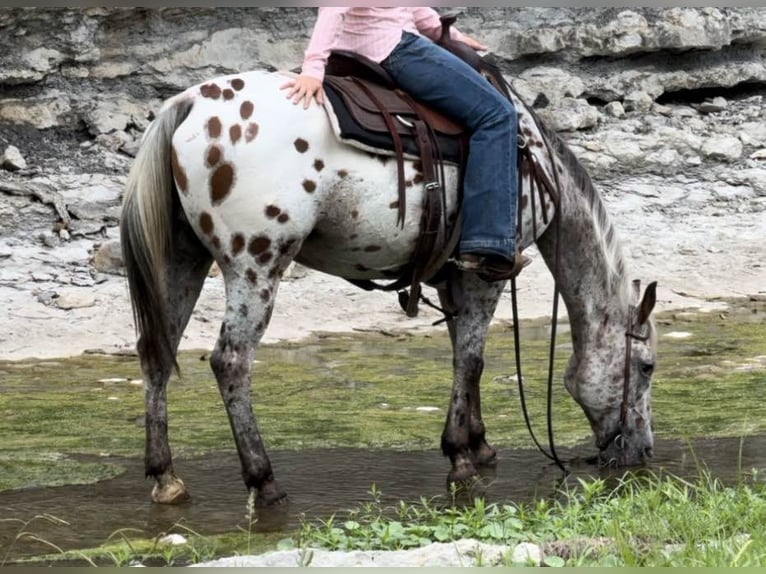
<point x="368" y="391"/>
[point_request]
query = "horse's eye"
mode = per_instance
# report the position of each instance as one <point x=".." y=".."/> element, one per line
<point x="647" y="369"/>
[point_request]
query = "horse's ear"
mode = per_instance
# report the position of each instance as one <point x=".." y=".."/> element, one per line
<point x="647" y="303"/>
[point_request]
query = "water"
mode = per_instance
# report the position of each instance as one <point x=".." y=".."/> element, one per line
<point x="337" y="386"/>
<point x="320" y="482"/>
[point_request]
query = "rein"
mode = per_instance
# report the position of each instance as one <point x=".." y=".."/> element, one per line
<point x="629" y="333"/>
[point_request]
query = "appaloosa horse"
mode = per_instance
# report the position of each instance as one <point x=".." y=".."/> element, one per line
<point x="231" y="171"/>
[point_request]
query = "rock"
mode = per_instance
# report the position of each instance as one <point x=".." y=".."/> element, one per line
<point x="12" y="160"/>
<point x="528" y="554"/>
<point x="638" y="101"/>
<point x="726" y="148"/>
<point x="555" y="83"/>
<point x="40" y="112"/>
<point x="108" y="258"/>
<point x="716" y="105"/>
<point x="75" y="300"/>
<point x="295" y="271"/>
<point x="460" y="553"/>
<point x="614" y="109"/>
<point x="173" y="540"/>
<point x="571" y="114"/>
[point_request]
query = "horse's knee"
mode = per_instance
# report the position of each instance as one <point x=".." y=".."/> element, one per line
<point x="229" y="360"/>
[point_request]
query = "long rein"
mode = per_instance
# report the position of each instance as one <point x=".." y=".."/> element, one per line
<point x="629" y="333"/>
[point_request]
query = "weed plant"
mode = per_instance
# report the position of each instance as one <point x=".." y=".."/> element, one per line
<point x="643" y="520"/>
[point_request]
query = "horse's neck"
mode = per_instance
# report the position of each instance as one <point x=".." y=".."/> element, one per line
<point x="589" y="272"/>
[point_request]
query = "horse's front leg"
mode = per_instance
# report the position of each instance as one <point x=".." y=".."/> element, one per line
<point x="249" y="305"/>
<point x="463" y="439"/>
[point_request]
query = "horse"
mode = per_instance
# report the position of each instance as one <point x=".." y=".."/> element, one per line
<point x="231" y="171"/>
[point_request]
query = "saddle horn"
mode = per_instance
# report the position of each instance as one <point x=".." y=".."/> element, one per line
<point x="460" y="49"/>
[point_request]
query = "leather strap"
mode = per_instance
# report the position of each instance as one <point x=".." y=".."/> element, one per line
<point x="397" y="146"/>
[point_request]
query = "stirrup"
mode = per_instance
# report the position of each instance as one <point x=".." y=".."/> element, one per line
<point x="490" y="268"/>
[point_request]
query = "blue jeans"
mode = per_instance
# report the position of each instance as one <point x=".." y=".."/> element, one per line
<point x="435" y="76"/>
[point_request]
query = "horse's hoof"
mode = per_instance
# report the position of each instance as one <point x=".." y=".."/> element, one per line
<point x="485" y="455"/>
<point x="464" y="474"/>
<point x="270" y="494"/>
<point x="172" y="492"/>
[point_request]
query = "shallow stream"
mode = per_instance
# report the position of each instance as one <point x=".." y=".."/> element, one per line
<point x="341" y="413"/>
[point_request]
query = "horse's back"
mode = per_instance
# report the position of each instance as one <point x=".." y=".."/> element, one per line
<point x="253" y="167"/>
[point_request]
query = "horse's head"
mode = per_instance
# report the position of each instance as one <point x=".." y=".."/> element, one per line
<point x="613" y="384"/>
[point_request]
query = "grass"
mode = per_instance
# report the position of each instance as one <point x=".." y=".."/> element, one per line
<point x="639" y="519"/>
<point x="644" y="520"/>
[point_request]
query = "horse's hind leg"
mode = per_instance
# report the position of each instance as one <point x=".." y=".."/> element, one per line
<point x="463" y="439"/>
<point x="249" y="303"/>
<point x="187" y="266"/>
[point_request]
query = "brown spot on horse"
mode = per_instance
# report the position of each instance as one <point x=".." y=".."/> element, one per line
<point x="252" y="276"/>
<point x="221" y="183"/>
<point x="394" y="204"/>
<point x="272" y="211"/>
<point x="213" y="155"/>
<point x="214" y="127"/>
<point x="251" y="132"/>
<point x="264" y="258"/>
<point x="237" y="243"/>
<point x="258" y="245"/>
<point x="246" y="110"/>
<point x="301" y="145"/>
<point x="342" y="173"/>
<point x="216" y="242"/>
<point x="318" y="164"/>
<point x="265" y="295"/>
<point x="238" y="83"/>
<point x="309" y="185"/>
<point x="211" y="90"/>
<point x="372" y="248"/>
<point x="228" y="94"/>
<point x="235" y="133"/>
<point x="179" y="173"/>
<point x="206" y="223"/>
<point x="524" y="201"/>
<point x="283" y="218"/>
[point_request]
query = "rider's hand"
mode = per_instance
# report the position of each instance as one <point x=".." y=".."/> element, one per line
<point x="475" y="44"/>
<point x="304" y="88"/>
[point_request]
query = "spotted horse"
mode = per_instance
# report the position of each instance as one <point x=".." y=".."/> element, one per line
<point x="231" y="171"/>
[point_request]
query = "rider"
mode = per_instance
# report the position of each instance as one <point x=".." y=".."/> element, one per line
<point x="431" y="74"/>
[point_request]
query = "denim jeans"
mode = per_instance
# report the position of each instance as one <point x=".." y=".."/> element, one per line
<point x="435" y="76"/>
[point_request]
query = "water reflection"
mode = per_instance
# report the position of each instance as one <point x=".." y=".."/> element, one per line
<point x="320" y="482"/>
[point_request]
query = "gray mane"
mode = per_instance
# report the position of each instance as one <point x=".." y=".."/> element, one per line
<point x="610" y="244"/>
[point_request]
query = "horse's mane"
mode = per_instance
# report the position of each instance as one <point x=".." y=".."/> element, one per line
<point x="611" y="247"/>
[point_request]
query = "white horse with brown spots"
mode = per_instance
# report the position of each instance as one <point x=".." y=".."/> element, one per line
<point x="230" y="171"/>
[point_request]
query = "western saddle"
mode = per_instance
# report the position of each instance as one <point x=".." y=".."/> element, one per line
<point x="373" y="111"/>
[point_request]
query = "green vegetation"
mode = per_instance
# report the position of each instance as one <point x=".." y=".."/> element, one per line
<point x="363" y="391"/>
<point x="645" y="520"/>
<point x="641" y="519"/>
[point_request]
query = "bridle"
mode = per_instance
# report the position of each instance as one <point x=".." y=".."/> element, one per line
<point x="625" y="405"/>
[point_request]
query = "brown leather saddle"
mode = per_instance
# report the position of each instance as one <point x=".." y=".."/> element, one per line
<point x="371" y="110"/>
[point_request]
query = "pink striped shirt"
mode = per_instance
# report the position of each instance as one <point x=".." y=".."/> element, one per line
<point x="371" y="32"/>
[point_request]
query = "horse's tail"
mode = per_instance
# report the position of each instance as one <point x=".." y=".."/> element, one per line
<point x="145" y="235"/>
